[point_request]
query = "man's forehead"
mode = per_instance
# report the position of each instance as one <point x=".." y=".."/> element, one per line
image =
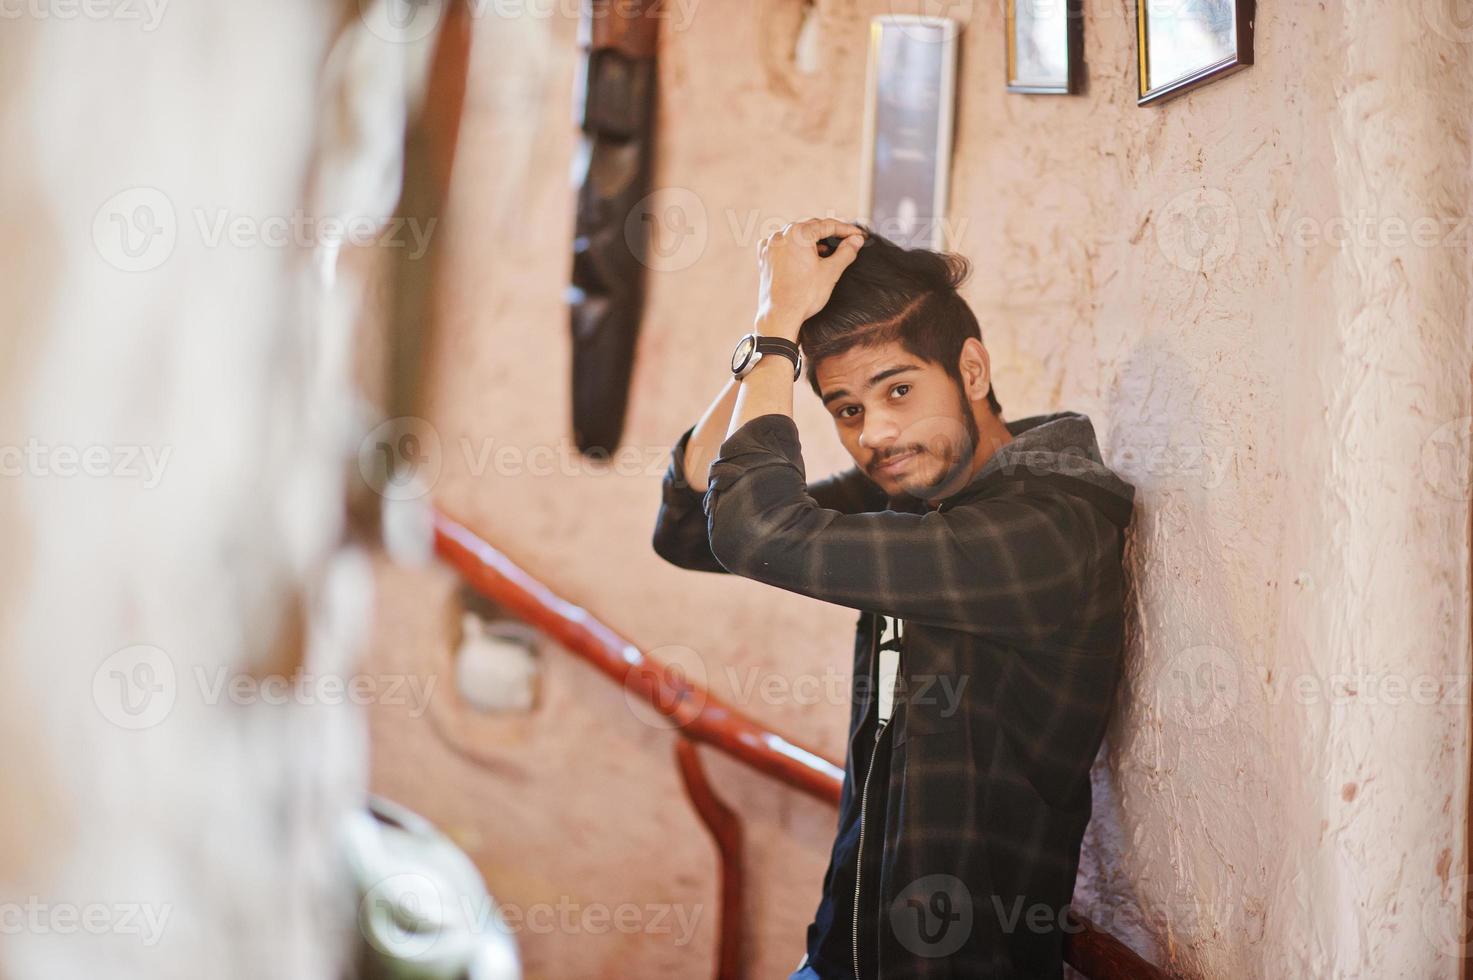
<point x="848" y="372"/>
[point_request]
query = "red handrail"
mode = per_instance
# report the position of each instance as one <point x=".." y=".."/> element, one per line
<point x="704" y="718"/>
<point x="701" y="716"/>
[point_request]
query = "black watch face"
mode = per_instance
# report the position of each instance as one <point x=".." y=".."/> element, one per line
<point x="743" y="353"/>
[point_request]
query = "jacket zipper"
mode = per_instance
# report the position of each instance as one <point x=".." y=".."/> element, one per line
<point x="859" y="858"/>
<point x="874" y="652"/>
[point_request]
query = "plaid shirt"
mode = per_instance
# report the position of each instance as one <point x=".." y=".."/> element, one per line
<point x="1007" y="606"/>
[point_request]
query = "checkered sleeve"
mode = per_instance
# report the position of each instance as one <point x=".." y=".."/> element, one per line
<point x="680" y="535"/>
<point x="1013" y="564"/>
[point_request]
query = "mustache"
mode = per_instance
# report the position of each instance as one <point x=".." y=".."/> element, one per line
<point x="881" y="461"/>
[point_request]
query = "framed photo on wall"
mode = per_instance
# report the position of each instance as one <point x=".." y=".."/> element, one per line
<point x="910" y="94"/>
<point x="1045" y="46"/>
<point x="1186" y="43"/>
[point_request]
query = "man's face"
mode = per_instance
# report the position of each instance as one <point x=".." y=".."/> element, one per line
<point x="906" y="422"/>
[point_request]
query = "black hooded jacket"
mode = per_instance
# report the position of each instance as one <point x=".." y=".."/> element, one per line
<point x="1005" y="607"/>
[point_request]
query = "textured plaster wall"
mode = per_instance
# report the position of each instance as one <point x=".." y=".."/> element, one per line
<point x="1226" y="284"/>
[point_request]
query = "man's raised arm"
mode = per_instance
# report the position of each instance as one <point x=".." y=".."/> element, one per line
<point x="680" y="527"/>
<point x="1011" y="565"/>
<point x="681" y="535"/>
<point x="783" y="303"/>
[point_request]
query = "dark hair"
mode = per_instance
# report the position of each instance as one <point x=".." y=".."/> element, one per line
<point x="891" y="293"/>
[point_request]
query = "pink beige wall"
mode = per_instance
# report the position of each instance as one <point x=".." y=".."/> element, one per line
<point x="1234" y="286"/>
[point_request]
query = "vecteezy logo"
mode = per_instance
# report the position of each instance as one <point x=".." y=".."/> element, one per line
<point x="932" y="916"/>
<point x="1198" y="688"/>
<point x="1198" y="230"/>
<point x="1447" y="457"/>
<point x="135" y="688"/>
<point x="1446" y="923"/>
<point x="400" y="458"/>
<point x="402" y="916"/>
<point x="1453" y="19"/>
<point x="673" y="679"/>
<point x="401" y="21"/>
<point x="135" y="230"/>
<point x="956" y="10"/>
<point x="669" y="226"/>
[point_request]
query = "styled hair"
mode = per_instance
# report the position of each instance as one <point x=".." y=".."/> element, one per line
<point x="891" y="293"/>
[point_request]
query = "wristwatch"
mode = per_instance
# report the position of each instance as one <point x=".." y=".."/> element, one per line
<point x="753" y="347"/>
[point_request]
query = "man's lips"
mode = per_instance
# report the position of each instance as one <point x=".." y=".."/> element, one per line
<point x="895" y="463"/>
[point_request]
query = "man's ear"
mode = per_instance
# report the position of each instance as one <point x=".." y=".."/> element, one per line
<point x="976" y="368"/>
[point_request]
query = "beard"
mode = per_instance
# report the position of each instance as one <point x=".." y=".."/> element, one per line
<point x="956" y="463"/>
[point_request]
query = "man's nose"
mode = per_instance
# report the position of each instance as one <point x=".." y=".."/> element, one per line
<point x="879" y="432"/>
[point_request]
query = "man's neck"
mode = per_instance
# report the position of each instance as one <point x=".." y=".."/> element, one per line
<point x="994" y="435"/>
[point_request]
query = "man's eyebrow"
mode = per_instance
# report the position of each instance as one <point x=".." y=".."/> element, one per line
<point x="888" y="372"/>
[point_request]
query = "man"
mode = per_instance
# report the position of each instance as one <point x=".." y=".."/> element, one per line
<point x="985" y="558"/>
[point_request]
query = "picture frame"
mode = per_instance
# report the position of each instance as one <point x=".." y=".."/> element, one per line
<point x="1186" y="43"/>
<point x="1045" y="46"/>
<point x="910" y="96"/>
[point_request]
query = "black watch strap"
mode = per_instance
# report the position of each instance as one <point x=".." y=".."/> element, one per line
<point x="778" y="345"/>
<point x="783" y="346"/>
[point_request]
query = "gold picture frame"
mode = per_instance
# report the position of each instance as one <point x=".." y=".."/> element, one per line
<point x="1182" y="44"/>
<point x="1045" y="46"/>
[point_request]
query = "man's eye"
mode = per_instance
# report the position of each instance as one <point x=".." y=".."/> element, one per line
<point x="844" y="412"/>
<point x="897" y="390"/>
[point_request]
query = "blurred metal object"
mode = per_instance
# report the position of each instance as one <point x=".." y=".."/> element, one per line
<point x="423" y="911"/>
<point x="615" y="112"/>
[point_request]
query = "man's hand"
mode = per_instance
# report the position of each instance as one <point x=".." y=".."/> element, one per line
<point x="795" y="280"/>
